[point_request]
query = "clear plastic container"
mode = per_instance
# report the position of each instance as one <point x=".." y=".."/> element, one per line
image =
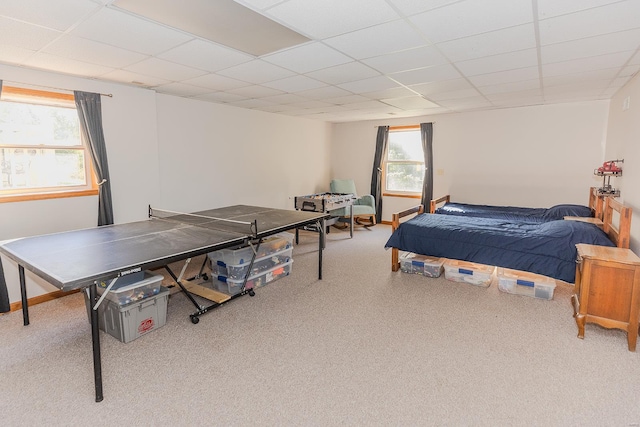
<point x="234" y="286"/>
<point x="421" y="264"/>
<point x="468" y="272"/>
<point x="525" y="283"/>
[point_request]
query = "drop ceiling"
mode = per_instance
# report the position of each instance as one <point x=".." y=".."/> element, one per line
<point x="350" y="60"/>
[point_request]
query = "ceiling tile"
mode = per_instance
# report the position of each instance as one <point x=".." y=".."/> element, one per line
<point x="509" y="76"/>
<point x="324" y="92"/>
<point x="369" y="85"/>
<point x="470" y="17"/>
<point x="179" y="89"/>
<point x="220" y="97"/>
<point x="285" y="98"/>
<point x="503" y="62"/>
<point x="26" y="36"/>
<point x="57" y="15"/>
<point x="66" y="66"/>
<point x="256" y="71"/>
<point x="496" y="42"/>
<point x="344" y="73"/>
<point x="591" y="46"/>
<point x="586" y="64"/>
<point x="466" y="104"/>
<point x="394" y="92"/>
<point x="326" y="18"/>
<point x="216" y="82"/>
<point x="128" y="32"/>
<point x="307" y="58"/>
<point x="13" y="54"/>
<point x="130" y="77"/>
<point x="551" y="8"/>
<point x="620" y="16"/>
<point x="426" y="75"/>
<point x="455" y="94"/>
<point x="607" y="74"/>
<point x="164" y="69"/>
<point x="411" y="7"/>
<point x="527" y="85"/>
<point x="406" y="60"/>
<point x="410" y="102"/>
<point x="255" y="91"/>
<point x="93" y="52"/>
<point x="251" y="103"/>
<point x="295" y="84"/>
<point x="259" y="4"/>
<point x="375" y="41"/>
<point x="428" y="89"/>
<point x="205" y="55"/>
<point x="349" y="99"/>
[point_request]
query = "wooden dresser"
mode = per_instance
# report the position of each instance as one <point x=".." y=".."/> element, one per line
<point x="607" y="289"/>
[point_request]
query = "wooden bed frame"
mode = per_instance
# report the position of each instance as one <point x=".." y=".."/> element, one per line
<point x="616" y="220"/>
<point x="596" y="202"/>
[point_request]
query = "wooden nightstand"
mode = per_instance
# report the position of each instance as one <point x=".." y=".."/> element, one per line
<point x="607" y="289"/>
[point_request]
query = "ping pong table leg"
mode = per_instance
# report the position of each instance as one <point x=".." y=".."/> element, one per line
<point x="23" y="295"/>
<point x="321" y="226"/>
<point x="95" y="336"/>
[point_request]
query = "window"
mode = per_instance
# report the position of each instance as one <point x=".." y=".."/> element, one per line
<point x="404" y="162"/>
<point x="41" y="152"/>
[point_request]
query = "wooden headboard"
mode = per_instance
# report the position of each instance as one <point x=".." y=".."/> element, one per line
<point x="596" y="203"/>
<point x="617" y="222"/>
<point x="436" y="202"/>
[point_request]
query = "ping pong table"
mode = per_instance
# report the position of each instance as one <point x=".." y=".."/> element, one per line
<point x="83" y="258"/>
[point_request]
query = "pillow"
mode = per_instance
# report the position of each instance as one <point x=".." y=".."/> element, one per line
<point x="560" y="211"/>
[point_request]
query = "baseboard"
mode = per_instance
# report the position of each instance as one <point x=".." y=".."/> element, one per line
<point x="385" y="222"/>
<point x="15" y="306"/>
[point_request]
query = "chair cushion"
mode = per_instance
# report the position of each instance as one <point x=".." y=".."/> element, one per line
<point x="346" y="186"/>
<point x="357" y="210"/>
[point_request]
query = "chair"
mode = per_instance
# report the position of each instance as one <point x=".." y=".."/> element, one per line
<point x="364" y="207"/>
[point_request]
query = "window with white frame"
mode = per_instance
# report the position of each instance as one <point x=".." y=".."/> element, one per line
<point x="41" y="151"/>
<point x="404" y="162"/>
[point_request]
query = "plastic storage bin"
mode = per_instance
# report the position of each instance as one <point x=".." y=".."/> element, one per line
<point x="525" y="283"/>
<point x="234" y="286"/>
<point x="242" y="255"/>
<point x="468" y="272"/>
<point x="421" y="264"/>
<point x="238" y="271"/>
<point x="127" y="289"/>
<point x="130" y="321"/>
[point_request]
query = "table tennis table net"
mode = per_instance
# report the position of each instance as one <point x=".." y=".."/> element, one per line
<point x="243" y="228"/>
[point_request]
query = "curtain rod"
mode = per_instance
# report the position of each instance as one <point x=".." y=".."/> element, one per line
<point x="110" y="95"/>
<point x="404" y="126"/>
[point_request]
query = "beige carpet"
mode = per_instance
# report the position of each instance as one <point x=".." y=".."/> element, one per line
<point x="364" y="346"/>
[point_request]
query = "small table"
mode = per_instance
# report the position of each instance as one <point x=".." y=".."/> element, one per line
<point x="325" y="202"/>
<point x="607" y="289"/>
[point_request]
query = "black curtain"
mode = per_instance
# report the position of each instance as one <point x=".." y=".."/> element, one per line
<point x="4" y="294"/>
<point x="426" y="134"/>
<point x="90" y="113"/>
<point x="376" y="174"/>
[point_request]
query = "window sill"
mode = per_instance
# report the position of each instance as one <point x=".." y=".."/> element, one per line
<point x="46" y="196"/>
<point x="407" y="196"/>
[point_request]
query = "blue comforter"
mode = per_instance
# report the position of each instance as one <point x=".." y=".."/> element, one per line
<point x="514" y="213"/>
<point x="546" y="248"/>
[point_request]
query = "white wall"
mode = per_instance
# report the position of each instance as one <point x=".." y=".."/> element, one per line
<point x="213" y="155"/>
<point x="623" y="142"/>
<point x="531" y="156"/>
<point x="174" y="153"/>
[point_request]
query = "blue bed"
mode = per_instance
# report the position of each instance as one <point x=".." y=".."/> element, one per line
<point x="513" y="213"/>
<point x="546" y="248"/>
